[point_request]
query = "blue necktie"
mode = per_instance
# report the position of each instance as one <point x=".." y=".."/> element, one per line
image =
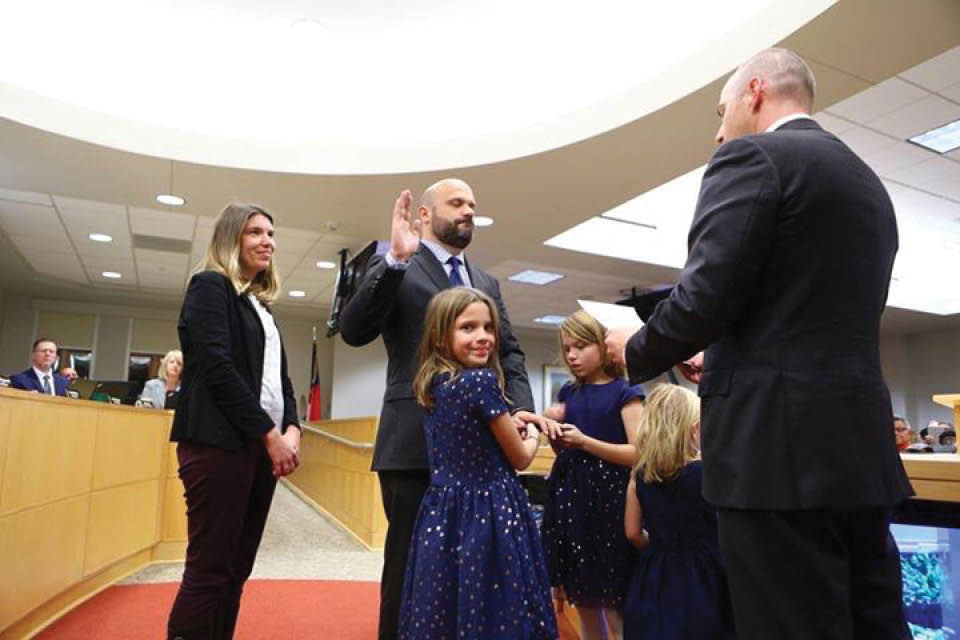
<point x="46" y="385"/>
<point x="455" y="278"/>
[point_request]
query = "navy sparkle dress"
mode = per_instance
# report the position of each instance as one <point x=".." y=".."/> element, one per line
<point x="588" y="554"/>
<point x="679" y="589"/>
<point x="476" y="567"/>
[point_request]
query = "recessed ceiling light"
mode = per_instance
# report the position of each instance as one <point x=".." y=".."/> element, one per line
<point x="326" y="264"/>
<point x="296" y="293"/>
<point x="538" y="278"/>
<point x="170" y="199"/>
<point x="551" y="320"/>
<point x="112" y="274"/>
<point x="482" y="221"/>
<point x="100" y="237"/>
<point x="942" y="139"/>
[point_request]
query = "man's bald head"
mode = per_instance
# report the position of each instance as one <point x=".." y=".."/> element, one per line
<point x="773" y="84"/>
<point x="785" y="75"/>
<point x="430" y="194"/>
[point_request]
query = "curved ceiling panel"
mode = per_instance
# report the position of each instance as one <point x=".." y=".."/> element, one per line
<point x="366" y="86"/>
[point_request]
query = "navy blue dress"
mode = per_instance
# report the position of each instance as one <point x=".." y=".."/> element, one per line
<point x="678" y="590"/>
<point x="476" y="567"/>
<point x="588" y="554"/>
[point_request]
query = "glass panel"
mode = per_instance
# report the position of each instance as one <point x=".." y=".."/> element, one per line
<point x="930" y="561"/>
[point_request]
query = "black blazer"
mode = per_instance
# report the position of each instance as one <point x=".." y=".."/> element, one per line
<point x="790" y="254"/>
<point x="222" y="342"/>
<point x="393" y="303"/>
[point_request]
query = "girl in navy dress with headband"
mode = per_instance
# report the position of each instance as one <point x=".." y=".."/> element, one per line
<point x="588" y="556"/>
<point x="476" y="567"/>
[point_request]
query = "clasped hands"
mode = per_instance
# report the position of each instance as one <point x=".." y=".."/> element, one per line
<point x="559" y="435"/>
<point x="283" y="449"/>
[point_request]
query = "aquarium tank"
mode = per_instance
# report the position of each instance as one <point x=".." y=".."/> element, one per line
<point x="930" y="562"/>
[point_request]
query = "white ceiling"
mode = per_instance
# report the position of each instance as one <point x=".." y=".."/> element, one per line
<point x="875" y="123"/>
<point x="52" y="232"/>
<point x="367" y="86"/>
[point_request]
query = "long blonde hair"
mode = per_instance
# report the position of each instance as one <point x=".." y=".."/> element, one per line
<point x="583" y="327"/>
<point x="173" y="355"/>
<point x="665" y="435"/>
<point x="435" y="355"/>
<point x="223" y="253"/>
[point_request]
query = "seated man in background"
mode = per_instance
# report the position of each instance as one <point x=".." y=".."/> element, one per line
<point x="69" y="373"/>
<point x="40" y="376"/>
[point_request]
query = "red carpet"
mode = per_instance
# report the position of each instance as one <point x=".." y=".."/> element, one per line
<point x="271" y="609"/>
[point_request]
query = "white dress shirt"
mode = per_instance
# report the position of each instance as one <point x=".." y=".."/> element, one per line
<point x="785" y="119"/>
<point x="442" y="255"/>
<point x="41" y="374"/>
<point x="271" y="389"/>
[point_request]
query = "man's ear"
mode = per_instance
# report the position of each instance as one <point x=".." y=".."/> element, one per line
<point x="756" y="89"/>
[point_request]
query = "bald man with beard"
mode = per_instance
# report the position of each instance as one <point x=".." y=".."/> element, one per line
<point x="426" y="256"/>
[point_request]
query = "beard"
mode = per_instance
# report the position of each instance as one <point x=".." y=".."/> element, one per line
<point x="451" y="233"/>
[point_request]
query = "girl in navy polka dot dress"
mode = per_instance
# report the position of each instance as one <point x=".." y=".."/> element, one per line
<point x="588" y="555"/>
<point x="476" y="567"/>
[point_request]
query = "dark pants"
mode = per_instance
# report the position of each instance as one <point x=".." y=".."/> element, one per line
<point x="228" y="497"/>
<point x="803" y="575"/>
<point x="402" y="492"/>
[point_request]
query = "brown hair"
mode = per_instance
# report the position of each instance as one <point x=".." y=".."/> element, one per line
<point x="435" y="355"/>
<point x="583" y="327"/>
<point x="665" y="443"/>
<point x="223" y="253"/>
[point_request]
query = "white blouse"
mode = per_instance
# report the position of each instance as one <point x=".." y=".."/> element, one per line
<point x="271" y="389"/>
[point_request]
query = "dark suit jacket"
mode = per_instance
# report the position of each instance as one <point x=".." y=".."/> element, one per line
<point x="393" y="303"/>
<point x="29" y="381"/>
<point x="790" y="254"/>
<point x="222" y="342"/>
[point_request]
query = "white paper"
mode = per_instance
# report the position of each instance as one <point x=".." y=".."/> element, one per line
<point x="612" y="316"/>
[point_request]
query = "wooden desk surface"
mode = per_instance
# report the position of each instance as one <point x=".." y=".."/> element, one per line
<point x="20" y="394"/>
<point x="935" y="476"/>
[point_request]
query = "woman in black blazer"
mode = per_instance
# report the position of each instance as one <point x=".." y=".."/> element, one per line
<point x="233" y="419"/>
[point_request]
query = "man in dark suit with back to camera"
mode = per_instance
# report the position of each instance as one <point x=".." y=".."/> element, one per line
<point x="790" y="254"/>
<point x="425" y="257"/>
<point x="40" y="376"/>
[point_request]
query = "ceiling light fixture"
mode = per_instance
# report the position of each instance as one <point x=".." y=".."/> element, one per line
<point x="942" y="139"/>
<point x="553" y="320"/>
<point x="296" y="293"/>
<point x="539" y="278"/>
<point x="482" y="221"/>
<point x="326" y="264"/>
<point x="100" y="237"/>
<point x="112" y="275"/>
<point x="170" y="200"/>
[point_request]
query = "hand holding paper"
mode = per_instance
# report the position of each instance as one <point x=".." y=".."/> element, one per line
<point x="621" y="323"/>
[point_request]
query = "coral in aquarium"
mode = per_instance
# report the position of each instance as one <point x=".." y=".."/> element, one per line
<point x="922" y="578"/>
<point x="923" y="582"/>
<point x="922" y="633"/>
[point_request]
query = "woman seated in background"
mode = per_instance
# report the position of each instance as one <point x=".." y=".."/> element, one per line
<point x="167" y="380"/>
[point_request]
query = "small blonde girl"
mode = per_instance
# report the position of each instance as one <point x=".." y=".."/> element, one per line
<point x="678" y="589"/>
<point x="587" y="554"/>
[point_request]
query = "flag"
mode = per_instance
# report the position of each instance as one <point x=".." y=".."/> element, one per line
<point x="315" y="401"/>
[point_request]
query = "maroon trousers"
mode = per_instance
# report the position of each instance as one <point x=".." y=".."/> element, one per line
<point x="228" y="497"/>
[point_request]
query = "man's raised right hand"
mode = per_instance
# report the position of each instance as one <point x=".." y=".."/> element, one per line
<point x="404" y="228"/>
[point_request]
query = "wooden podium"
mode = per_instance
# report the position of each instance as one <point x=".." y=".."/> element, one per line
<point x="951" y="400"/>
